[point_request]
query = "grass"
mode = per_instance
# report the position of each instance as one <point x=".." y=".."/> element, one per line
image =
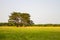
<point x="29" y="33"/>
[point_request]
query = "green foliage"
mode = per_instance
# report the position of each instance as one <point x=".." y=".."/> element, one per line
<point x="32" y="24"/>
<point x="47" y="25"/>
<point x="20" y="18"/>
<point x="7" y="24"/>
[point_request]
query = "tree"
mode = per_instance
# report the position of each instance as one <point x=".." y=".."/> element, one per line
<point x="18" y="18"/>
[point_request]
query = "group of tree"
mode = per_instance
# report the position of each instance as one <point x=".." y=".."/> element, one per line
<point x="37" y="25"/>
<point x="20" y="19"/>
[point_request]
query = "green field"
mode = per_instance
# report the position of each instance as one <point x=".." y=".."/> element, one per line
<point x="29" y="33"/>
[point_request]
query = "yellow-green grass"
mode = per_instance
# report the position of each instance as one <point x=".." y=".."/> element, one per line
<point x="29" y="33"/>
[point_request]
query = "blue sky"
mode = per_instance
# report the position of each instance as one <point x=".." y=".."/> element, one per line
<point x="41" y="11"/>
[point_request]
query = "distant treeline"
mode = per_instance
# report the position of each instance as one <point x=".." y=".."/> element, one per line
<point x="7" y="24"/>
<point x="12" y="24"/>
<point x="40" y="25"/>
<point x="46" y="25"/>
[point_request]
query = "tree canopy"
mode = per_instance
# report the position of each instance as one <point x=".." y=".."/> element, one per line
<point x="18" y="18"/>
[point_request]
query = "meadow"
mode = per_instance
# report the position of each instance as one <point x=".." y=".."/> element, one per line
<point x="29" y="33"/>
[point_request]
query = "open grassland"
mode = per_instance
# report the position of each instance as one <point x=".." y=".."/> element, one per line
<point x="29" y="33"/>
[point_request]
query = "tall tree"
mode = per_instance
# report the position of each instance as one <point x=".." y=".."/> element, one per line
<point x="20" y="18"/>
<point x="15" y="18"/>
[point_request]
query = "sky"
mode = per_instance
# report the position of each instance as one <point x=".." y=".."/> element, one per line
<point x="41" y="11"/>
